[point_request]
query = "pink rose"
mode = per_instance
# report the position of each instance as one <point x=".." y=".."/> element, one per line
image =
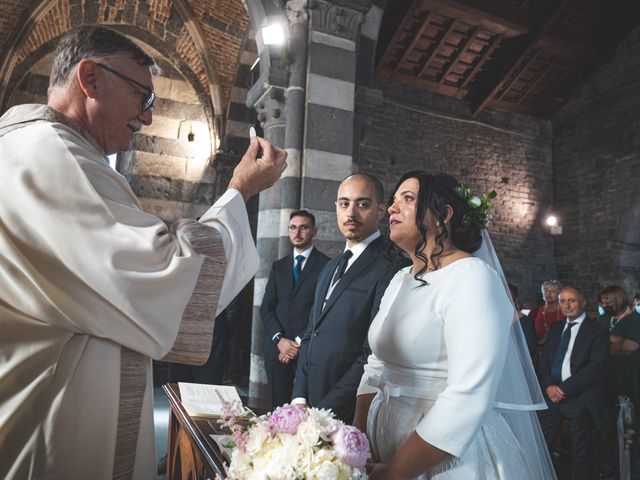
<point x="285" y="419"/>
<point x="351" y="446"/>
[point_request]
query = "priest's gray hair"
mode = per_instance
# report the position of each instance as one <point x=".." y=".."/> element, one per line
<point x="94" y="42"/>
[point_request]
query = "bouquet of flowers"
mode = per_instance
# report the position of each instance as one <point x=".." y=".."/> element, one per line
<point x="292" y="443"/>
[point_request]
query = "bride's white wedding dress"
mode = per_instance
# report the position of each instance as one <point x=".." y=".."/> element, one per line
<point x="437" y="367"/>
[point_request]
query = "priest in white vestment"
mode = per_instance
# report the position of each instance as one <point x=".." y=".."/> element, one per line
<point x="92" y="287"/>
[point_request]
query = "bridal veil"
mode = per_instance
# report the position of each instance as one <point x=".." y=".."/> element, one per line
<point x="519" y="395"/>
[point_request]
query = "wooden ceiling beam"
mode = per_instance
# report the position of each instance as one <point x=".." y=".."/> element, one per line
<point x="483" y="59"/>
<point x="528" y="50"/>
<point x="565" y="47"/>
<point x="459" y="53"/>
<point x="505" y="21"/>
<point x="443" y="38"/>
<point x="539" y="110"/>
<point x="397" y="36"/>
<point x="416" y="82"/>
<point x="414" y="41"/>
<point x="539" y="76"/>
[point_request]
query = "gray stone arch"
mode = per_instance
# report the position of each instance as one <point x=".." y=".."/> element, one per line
<point x="172" y="177"/>
<point x="37" y="12"/>
<point x="176" y="61"/>
<point x="240" y="116"/>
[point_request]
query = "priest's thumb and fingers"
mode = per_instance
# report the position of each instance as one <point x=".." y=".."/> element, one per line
<point x="259" y="168"/>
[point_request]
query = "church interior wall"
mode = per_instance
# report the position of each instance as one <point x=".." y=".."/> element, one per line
<point x="596" y="153"/>
<point x="405" y="129"/>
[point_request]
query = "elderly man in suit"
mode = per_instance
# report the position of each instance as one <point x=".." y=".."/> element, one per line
<point x="287" y="302"/>
<point x="571" y="375"/>
<point x="334" y="347"/>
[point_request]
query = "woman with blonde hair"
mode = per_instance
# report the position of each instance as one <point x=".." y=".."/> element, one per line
<point x="549" y="313"/>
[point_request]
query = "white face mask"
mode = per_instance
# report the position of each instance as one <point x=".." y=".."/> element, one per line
<point x="637" y="307"/>
<point x="600" y="310"/>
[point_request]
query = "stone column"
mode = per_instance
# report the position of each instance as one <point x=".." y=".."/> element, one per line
<point x="270" y="107"/>
<point x="328" y="144"/>
<point x="317" y="133"/>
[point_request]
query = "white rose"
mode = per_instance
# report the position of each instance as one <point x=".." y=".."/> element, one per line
<point x="324" y="421"/>
<point x="308" y="433"/>
<point x="259" y="435"/>
<point x="325" y="471"/>
<point x="282" y="462"/>
<point x="240" y="467"/>
<point x="474" y="202"/>
<point x="256" y="475"/>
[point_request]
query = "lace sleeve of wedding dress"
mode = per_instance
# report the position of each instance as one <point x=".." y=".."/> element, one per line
<point x="519" y="395"/>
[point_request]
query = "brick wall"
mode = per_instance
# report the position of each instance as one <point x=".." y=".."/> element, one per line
<point x="413" y="129"/>
<point x="12" y="11"/>
<point x="596" y="150"/>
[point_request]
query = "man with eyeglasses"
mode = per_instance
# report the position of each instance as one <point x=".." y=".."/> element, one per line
<point x="286" y="304"/>
<point x="91" y="286"/>
<point x="334" y="348"/>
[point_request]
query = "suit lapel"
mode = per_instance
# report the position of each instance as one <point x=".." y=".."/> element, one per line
<point x="364" y="260"/>
<point x="583" y="333"/>
<point x="323" y="287"/>
<point x="555" y="342"/>
<point x="287" y="275"/>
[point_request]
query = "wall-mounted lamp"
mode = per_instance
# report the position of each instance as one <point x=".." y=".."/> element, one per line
<point x="275" y="37"/>
<point x="274" y="34"/>
<point x="552" y="222"/>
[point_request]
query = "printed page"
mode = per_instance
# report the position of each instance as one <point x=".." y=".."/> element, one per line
<point x="201" y="400"/>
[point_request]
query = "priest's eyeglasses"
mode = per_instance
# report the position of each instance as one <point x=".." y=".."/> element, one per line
<point x="147" y="100"/>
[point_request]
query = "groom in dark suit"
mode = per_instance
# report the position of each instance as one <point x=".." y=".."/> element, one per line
<point x="286" y="304"/>
<point x="335" y="348"/>
<point x="571" y="375"/>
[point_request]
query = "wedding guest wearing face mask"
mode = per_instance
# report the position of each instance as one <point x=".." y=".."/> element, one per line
<point x="622" y="380"/>
<point x="636" y="302"/>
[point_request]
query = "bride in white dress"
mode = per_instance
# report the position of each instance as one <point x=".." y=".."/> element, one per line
<point x="449" y="391"/>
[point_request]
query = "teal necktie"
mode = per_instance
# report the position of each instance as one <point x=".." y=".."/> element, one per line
<point x="297" y="268"/>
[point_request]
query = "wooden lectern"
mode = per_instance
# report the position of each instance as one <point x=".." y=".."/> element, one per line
<point x="192" y="453"/>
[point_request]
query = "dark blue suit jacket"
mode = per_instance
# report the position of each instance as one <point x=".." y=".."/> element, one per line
<point x="335" y="348"/>
<point x="285" y="307"/>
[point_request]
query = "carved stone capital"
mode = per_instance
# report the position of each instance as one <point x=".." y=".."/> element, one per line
<point x="327" y="17"/>
<point x="296" y="11"/>
<point x="270" y="107"/>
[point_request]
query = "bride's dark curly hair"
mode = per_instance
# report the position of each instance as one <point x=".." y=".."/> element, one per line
<point x="435" y="192"/>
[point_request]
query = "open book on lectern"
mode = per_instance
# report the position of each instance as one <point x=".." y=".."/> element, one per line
<point x="201" y="400"/>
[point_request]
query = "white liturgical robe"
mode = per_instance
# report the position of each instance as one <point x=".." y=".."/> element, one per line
<point x="91" y="289"/>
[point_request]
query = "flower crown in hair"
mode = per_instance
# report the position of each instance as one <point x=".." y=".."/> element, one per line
<point x="479" y="206"/>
